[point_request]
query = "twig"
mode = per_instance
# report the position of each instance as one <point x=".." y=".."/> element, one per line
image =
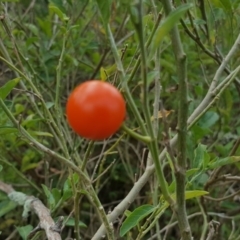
<point x="180" y="172"/>
<point x="121" y="207"/>
<point x="222" y="198"/>
<point x="86" y="183"/>
<point x="213" y="228"/>
<point x="220" y="215"/>
<point x="153" y="146"/>
<point x="20" y="174"/>
<point x="31" y="203"/>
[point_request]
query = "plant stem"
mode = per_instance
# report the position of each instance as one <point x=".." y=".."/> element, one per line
<point x="31" y="183"/>
<point x="76" y="214"/>
<point x="60" y="136"/>
<point x="124" y="81"/>
<point x="133" y="193"/>
<point x="180" y="173"/>
<point x="87" y="154"/>
<point x="153" y="146"/>
<point x="137" y="64"/>
<point x="85" y="181"/>
<point x="58" y="74"/>
<point x="145" y="139"/>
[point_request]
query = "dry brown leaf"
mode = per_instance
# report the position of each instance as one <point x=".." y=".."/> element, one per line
<point x="160" y="114"/>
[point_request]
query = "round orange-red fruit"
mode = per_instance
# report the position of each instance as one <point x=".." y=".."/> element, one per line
<point x="95" y="110"/>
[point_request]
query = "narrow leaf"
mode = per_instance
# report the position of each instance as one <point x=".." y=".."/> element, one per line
<point x="135" y="217"/>
<point x="222" y="162"/>
<point x="8" y="87"/>
<point x="192" y="194"/>
<point x="224" y="4"/>
<point x="71" y="223"/>
<point x="49" y="196"/>
<point x="167" y="25"/>
<point x="103" y="74"/>
<point x="37" y="133"/>
<point x="58" y="12"/>
<point x="105" y="9"/>
<point x="199" y="155"/>
<point x="7" y="130"/>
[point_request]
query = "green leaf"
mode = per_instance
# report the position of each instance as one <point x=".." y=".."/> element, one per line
<point x="74" y="177"/>
<point x="191" y="172"/>
<point x="7" y="130"/>
<point x="19" y="108"/>
<point x="49" y="104"/>
<point x="228" y="97"/>
<point x="58" y="12"/>
<point x="135" y="217"/>
<point x="56" y="194"/>
<point x="208" y="119"/>
<point x="127" y="213"/>
<point x="71" y="223"/>
<point x="6" y="206"/>
<point x="37" y="133"/>
<point x="67" y="194"/>
<point x="1" y="168"/>
<point x="24" y="231"/>
<point x="192" y="194"/>
<point x="199" y="155"/>
<point x="59" y="4"/>
<point x="224" y="4"/>
<point x="67" y="191"/>
<point x="195" y="193"/>
<point x="33" y="28"/>
<point x="49" y="196"/>
<point x="167" y="25"/>
<point x="45" y="25"/>
<point x="199" y="132"/>
<point x="8" y="87"/>
<point x="222" y="162"/>
<point x="29" y="166"/>
<point x="105" y="9"/>
<point x="106" y="72"/>
<point x="200" y="162"/>
<point x="29" y="160"/>
<point x="135" y="14"/>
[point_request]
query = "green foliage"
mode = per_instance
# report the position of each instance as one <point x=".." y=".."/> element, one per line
<point x="7" y="88"/>
<point x="67" y="41"/>
<point x="167" y="25"/>
<point x="105" y="10"/>
<point x="135" y="217"/>
<point x="6" y="207"/>
<point x="24" y="231"/>
<point x="71" y="223"/>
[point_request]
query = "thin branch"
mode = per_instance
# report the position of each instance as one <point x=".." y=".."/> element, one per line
<point x="133" y="193"/>
<point x="153" y="146"/>
<point x="121" y="207"/>
<point x="31" y="203"/>
<point x="180" y="172"/>
<point x="222" y="198"/>
<point x="219" y="215"/>
<point x="86" y="183"/>
<point x="213" y="228"/>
